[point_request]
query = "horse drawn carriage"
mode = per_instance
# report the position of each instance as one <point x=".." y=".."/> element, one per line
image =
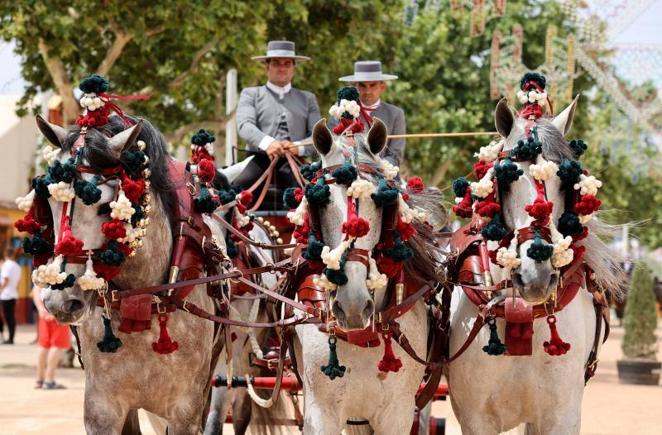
<point x="345" y="295"/>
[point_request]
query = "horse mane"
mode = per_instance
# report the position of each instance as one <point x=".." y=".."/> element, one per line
<point x="97" y="153"/>
<point x="604" y="261"/>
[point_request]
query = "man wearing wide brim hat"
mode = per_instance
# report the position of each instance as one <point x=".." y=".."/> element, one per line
<point x="274" y="117"/>
<point x="370" y="81"/>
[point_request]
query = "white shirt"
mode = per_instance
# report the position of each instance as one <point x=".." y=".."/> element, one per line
<point x="280" y="91"/>
<point x="12" y="271"/>
<point x="372" y="106"/>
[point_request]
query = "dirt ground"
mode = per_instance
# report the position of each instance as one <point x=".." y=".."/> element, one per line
<point x="608" y="408"/>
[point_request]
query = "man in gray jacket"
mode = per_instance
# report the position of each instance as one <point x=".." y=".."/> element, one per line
<point x="370" y="82"/>
<point x="273" y="118"/>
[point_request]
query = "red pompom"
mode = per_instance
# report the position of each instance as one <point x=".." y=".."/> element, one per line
<point x="582" y="235"/>
<point x="106" y="271"/>
<point x="405" y="196"/>
<point x="206" y="170"/>
<point x="246" y="198"/>
<point x="389" y="363"/>
<point x="28" y="224"/>
<point x="165" y="344"/>
<point x="406" y="231"/>
<point x="298" y="194"/>
<point x="587" y="204"/>
<point x="488" y="207"/>
<point x="540" y="210"/>
<point x="199" y="154"/>
<point x="415" y="184"/>
<point x="69" y="245"/>
<point x="481" y="168"/>
<point x="355" y="126"/>
<point x="301" y="233"/>
<point x="388" y="266"/>
<point x="133" y="189"/>
<point x="356" y="227"/>
<point x="463" y="208"/>
<point x="114" y="229"/>
<point x="555" y="346"/>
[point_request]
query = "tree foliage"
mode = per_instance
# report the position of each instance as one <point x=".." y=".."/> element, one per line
<point x="640" y="318"/>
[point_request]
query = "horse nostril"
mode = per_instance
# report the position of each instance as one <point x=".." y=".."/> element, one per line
<point x="72" y="305"/>
<point x="553" y="281"/>
<point x="337" y="311"/>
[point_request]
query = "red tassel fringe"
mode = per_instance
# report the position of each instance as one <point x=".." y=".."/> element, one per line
<point x="164" y="345"/>
<point x="389" y="363"/>
<point x="555" y="346"/>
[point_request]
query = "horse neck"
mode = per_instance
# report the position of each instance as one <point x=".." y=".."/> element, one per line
<point x="150" y="264"/>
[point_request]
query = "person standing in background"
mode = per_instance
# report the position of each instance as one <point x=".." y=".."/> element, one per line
<point x="10" y="276"/>
<point x="54" y="340"/>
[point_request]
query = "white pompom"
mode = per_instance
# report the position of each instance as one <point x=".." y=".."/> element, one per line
<point x="361" y="189"/>
<point x="322" y="282"/>
<point x="296" y="216"/>
<point x="585" y="218"/>
<point x="331" y="257"/>
<point x="24" y="203"/>
<point x="122" y="208"/>
<point x="588" y="185"/>
<point x="485" y="186"/>
<point x="522" y="96"/>
<point x="544" y="170"/>
<point x="375" y="279"/>
<point x="61" y="191"/>
<point x="489" y="153"/>
<point x="50" y="154"/>
<point x="508" y="258"/>
<point x="89" y="280"/>
<point x="390" y="170"/>
<point x="49" y="274"/>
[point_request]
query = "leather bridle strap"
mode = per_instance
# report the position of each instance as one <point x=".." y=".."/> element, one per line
<point x="296" y="172"/>
<point x="316" y="312"/>
<point x="228" y="226"/>
<point x="266" y="178"/>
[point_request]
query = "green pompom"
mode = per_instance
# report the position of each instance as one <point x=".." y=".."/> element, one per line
<point x="460" y="186"/>
<point x="385" y="194"/>
<point x="319" y="193"/>
<point x="569" y="172"/>
<point x="112" y="255"/>
<point x="578" y="147"/>
<point x="313" y="251"/>
<point x="345" y="174"/>
<point x="226" y="196"/>
<point x="349" y="93"/>
<point x="205" y="202"/>
<point x="506" y="172"/>
<point x="399" y="251"/>
<point x="133" y="161"/>
<point x="527" y="150"/>
<point x="333" y="369"/>
<point x="308" y="171"/>
<point x="94" y="84"/>
<point x="569" y="224"/>
<point x="202" y="137"/>
<point x="539" y="250"/>
<point x="110" y="343"/>
<point x="36" y="245"/>
<point x="337" y="277"/>
<point x="494" y="346"/>
<point x="62" y="172"/>
<point x="68" y="282"/>
<point x="40" y="186"/>
<point x="538" y="78"/>
<point x="88" y="191"/>
<point x="231" y="247"/>
<point x="494" y="230"/>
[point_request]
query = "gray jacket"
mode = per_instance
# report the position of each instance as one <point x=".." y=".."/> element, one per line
<point x="259" y="110"/>
<point x="394" y="118"/>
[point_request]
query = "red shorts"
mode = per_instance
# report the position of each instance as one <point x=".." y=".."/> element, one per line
<point x="53" y="334"/>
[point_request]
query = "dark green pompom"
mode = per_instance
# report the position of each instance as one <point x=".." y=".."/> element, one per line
<point x="313" y="251"/>
<point x="337" y="277"/>
<point x="506" y="172"/>
<point x="94" y="84"/>
<point x="539" y="250"/>
<point x="40" y="186"/>
<point x="68" y="282"/>
<point x="349" y="93"/>
<point x="205" y="202"/>
<point x="112" y="255"/>
<point x="345" y="174"/>
<point x="308" y="171"/>
<point x="36" y="245"/>
<point x="289" y="198"/>
<point x="569" y="172"/>
<point x="494" y="346"/>
<point x="532" y="77"/>
<point x="226" y="196"/>
<point x="460" y="186"/>
<point x="138" y="214"/>
<point x="333" y="369"/>
<point x="88" y="191"/>
<point x="494" y="230"/>
<point x="569" y="224"/>
<point x="385" y="194"/>
<point x="62" y="172"/>
<point x="319" y="193"/>
<point x="527" y="150"/>
<point x="578" y="147"/>
<point x="133" y="161"/>
<point x="202" y="137"/>
<point x="110" y="343"/>
<point x="399" y="252"/>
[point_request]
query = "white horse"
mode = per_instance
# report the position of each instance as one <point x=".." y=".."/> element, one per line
<point x="385" y="400"/>
<point x="493" y="394"/>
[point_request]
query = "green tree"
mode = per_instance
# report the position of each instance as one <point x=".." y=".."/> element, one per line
<point x="640" y="318"/>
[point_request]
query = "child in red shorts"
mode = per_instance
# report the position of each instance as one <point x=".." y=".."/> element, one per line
<point x="54" y="339"/>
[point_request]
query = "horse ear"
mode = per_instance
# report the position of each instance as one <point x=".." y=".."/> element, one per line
<point x="322" y="138"/>
<point x="124" y="139"/>
<point x="563" y="121"/>
<point x="54" y="133"/>
<point x="503" y="118"/>
<point x="377" y="136"/>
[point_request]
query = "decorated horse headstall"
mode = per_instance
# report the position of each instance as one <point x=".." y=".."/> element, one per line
<point x="496" y="170"/>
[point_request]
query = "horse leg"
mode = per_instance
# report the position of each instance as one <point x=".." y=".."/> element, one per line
<point x="241" y="412"/>
<point x="321" y="418"/>
<point x="131" y="424"/>
<point x="395" y="418"/>
<point x="221" y="400"/>
<point x="558" y="421"/>
<point x="103" y="415"/>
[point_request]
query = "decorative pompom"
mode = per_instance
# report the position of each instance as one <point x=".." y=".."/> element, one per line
<point x="292" y="197"/>
<point x="133" y="189"/>
<point x="94" y="84"/>
<point x="205" y="202"/>
<point x="406" y="230"/>
<point x="489" y="153"/>
<point x="389" y="169"/>
<point x="463" y="207"/>
<point x="308" y="171"/>
<point x="415" y="184"/>
<point x="356" y="226"/>
<point x="61" y="191"/>
<point x="527" y="78"/>
<point x="480" y="168"/>
<point x="297" y="217"/>
<point x="231" y="247"/>
<point x="114" y="229"/>
<point x="202" y="138"/>
<point x="110" y="343"/>
<point x="539" y="250"/>
<point x="206" y="170"/>
<point x="69" y="281"/>
<point x="484" y="186"/>
<point x="375" y="279"/>
<point x="555" y="346"/>
<point x="399" y="251"/>
<point x="89" y="280"/>
<point x="50" y="154"/>
<point x="36" y="245"/>
<point x="587" y="205"/>
<point x="69" y="244"/>
<point x="226" y="196"/>
<point x="49" y="274"/>
<point x="361" y="189"/>
<point x="24" y="203"/>
<point x="540" y="209"/>
<point x="494" y="230"/>
<point x="40" y="186"/>
<point x="345" y="174"/>
<point x="385" y="194"/>
<point x="333" y="369"/>
<point x="563" y="254"/>
<point x="87" y="191"/>
<point x="112" y="253"/>
<point x="349" y="93"/>
<point x="388" y="363"/>
<point x="543" y="171"/>
<point x="507" y="172"/>
<point x="494" y="345"/>
<point x="322" y="282"/>
<point x="164" y="345"/>
<point x="460" y="186"/>
<point x="333" y="258"/>
<point x="62" y="172"/>
<point x="389" y="266"/>
<point x="588" y="185"/>
<point x="319" y="193"/>
<point x="302" y="232"/>
<point x="507" y="258"/>
<point x="527" y="150"/>
<point x="578" y="147"/>
<point x="122" y="208"/>
<point x="313" y="251"/>
<point x="569" y="172"/>
<point x="28" y="224"/>
<point x="488" y="207"/>
<point x="569" y="224"/>
<point x="133" y="161"/>
<point x="337" y="277"/>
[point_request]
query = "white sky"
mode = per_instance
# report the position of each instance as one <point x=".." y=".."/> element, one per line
<point x="645" y="29"/>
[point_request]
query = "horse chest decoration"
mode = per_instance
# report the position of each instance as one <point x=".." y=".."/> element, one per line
<point x="531" y="251"/>
<point x="113" y="218"/>
<point x="358" y="233"/>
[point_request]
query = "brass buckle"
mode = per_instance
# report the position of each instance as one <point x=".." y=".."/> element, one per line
<point x="160" y="308"/>
<point x="114" y="296"/>
<point x="185" y="307"/>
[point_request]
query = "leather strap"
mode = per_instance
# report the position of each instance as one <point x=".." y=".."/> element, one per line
<point x="228" y="226"/>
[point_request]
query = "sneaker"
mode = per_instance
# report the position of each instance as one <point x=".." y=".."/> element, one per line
<point x="53" y="386"/>
<point x="39" y="384"/>
<point x="8" y="342"/>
